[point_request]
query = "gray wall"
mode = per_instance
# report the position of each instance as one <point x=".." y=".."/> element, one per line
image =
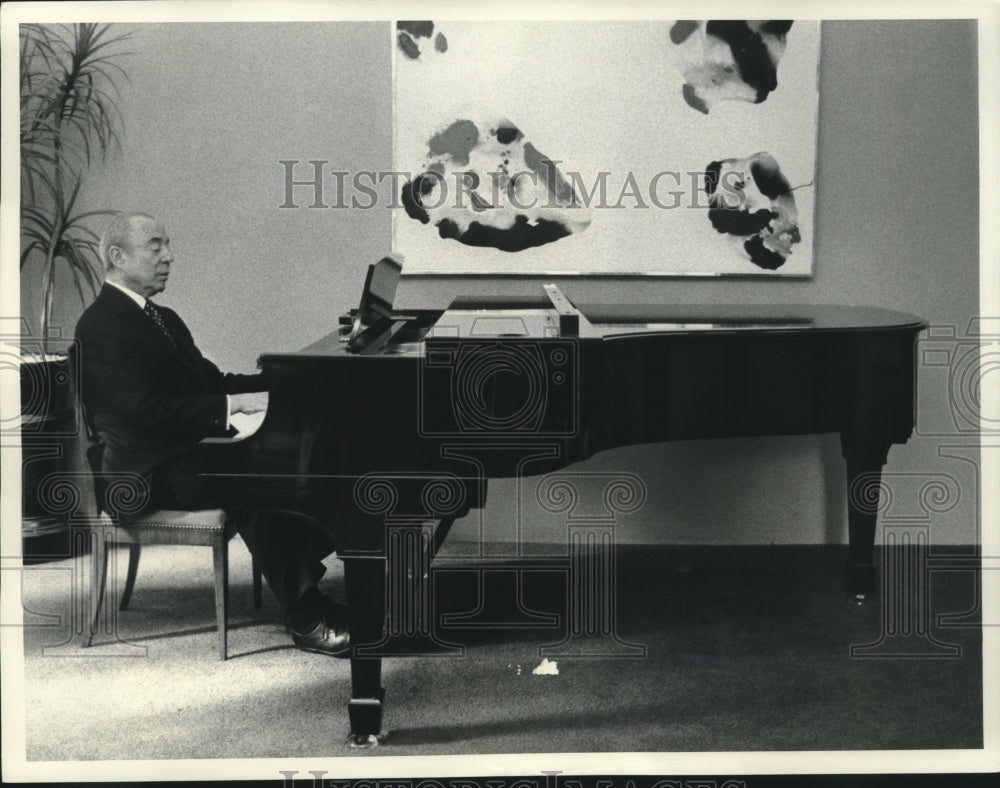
<point x="212" y="109"/>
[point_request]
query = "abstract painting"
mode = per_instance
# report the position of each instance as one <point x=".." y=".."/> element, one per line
<point x="660" y="147"/>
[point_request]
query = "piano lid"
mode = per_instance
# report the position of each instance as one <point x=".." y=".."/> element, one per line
<point x="611" y="320"/>
<point x="497" y="317"/>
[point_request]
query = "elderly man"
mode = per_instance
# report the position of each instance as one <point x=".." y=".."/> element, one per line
<point x="152" y="396"/>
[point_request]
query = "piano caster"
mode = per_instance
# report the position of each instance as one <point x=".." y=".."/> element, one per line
<point x="362" y="741"/>
<point x="365" y="713"/>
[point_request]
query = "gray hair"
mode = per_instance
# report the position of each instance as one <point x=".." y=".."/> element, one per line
<point x="117" y="234"/>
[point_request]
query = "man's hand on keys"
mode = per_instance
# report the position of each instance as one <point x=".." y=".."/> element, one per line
<point x="252" y="402"/>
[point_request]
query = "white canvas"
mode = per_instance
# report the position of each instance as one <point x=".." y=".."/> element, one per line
<point x="599" y="97"/>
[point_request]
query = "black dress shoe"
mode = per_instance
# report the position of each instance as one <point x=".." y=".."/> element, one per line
<point x="324" y="639"/>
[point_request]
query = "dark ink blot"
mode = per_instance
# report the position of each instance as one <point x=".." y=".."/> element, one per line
<point x="408" y="46"/>
<point x="737" y="221"/>
<point x="749" y="53"/>
<point x="448" y="229"/>
<point x="769" y="180"/>
<point x="441" y="43"/>
<point x="455" y="141"/>
<point x="761" y="256"/>
<point x="411" y="193"/>
<point x="517" y="238"/>
<point x="693" y="100"/>
<point x="507" y="135"/>
<point x="681" y="30"/>
<point x="776" y="27"/>
<point x="423" y="29"/>
<point x="767" y="235"/>
<point x="713" y="173"/>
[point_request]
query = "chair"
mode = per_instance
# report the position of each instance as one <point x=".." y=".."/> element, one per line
<point x="207" y="527"/>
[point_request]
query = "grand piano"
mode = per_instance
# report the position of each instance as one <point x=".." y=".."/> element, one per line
<point x="388" y="429"/>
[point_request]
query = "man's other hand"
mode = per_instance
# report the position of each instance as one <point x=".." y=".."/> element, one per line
<point x="252" y="402"/>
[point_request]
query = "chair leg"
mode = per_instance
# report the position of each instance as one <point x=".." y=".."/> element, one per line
<point x="220" y="555"/>
<point x="134" y="551"/>
<point x="98" y="584"/>
<point x="250" y="516"/>
<point x="257" y="585"/>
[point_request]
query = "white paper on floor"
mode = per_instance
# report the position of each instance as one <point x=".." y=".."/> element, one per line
<point x="546" y="668"/>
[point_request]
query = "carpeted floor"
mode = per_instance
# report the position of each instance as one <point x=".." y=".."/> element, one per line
<point x="744" y="649"/>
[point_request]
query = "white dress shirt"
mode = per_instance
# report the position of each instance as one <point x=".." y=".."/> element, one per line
<point x="130" y="293"/>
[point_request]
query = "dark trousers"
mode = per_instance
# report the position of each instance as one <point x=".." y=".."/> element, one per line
<point x="289" y="550"/>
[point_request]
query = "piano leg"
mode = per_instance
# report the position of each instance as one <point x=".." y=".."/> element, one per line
<point x="364" y="578"/>
<point x="864" y="459"/>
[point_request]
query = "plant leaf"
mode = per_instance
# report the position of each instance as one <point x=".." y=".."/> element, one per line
<point x="70" y="90"/>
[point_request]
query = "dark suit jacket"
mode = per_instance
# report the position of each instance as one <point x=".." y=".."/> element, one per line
<point x="149" y="400"/>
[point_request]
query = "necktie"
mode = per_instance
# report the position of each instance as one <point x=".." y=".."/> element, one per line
<point x="154" y="313"/>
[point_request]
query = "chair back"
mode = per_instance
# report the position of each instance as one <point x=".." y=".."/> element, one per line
<point x="85" y="450"/>
<point x="95" y="454"/>
<point x="115" y="495"/>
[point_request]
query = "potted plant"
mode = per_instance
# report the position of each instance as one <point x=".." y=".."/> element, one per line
<point x="69" y="80"/>
<point x="69" y="93"/>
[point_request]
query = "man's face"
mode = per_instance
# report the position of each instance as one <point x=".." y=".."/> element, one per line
<point x="144" y="266"/>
